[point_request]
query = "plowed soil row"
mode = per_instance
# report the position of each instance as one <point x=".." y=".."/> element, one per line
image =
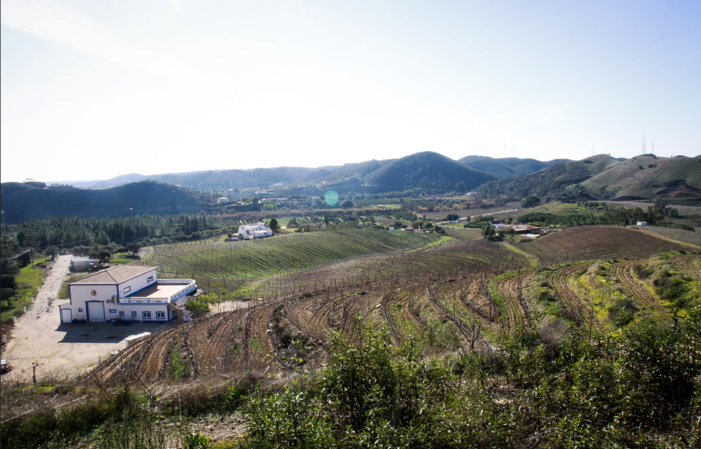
<point x="624" y="272"/>
<point x="569" y="299"/>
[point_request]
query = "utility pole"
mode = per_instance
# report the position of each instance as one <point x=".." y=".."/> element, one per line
<point x="4" y="227"/>
<point x="644" y="150"/>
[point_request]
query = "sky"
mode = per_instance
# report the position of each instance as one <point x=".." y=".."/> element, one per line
<point x="95" y="89"/>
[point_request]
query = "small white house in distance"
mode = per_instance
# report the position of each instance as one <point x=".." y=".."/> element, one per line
<point x="126" y="292"/>
<point x="642" y="223"/>
<point x="222" y="200"/>
<point x="497" y="223"/>
<point x="256" y="231"/>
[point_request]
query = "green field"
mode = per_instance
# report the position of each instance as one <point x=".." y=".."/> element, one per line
<point x="28" y="280"/>
<point x="256" y="259"/>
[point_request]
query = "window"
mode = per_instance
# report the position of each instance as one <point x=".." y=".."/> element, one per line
<point x="113" y="310"/>
<point x="146" y="315"/>
<point x="93" y="292"/>
<point x="80" y="310"/>
<point x="126" y="290"/>
<point x="133" y="314"/>
<point x="149" y="279"/>
<point x="161" y="315"/>
<point x="121" y="313"/>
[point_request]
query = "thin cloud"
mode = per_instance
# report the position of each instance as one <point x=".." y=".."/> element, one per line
<point x="63" y="23"/>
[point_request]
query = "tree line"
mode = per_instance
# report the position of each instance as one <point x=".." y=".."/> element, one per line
<point x="72" y="231"/>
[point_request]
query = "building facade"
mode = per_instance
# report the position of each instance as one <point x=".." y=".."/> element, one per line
<point x="129" y="293"/>
<point x="256" y="231"/>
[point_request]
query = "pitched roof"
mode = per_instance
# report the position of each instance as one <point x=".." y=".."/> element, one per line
<point x="113" y="276"/>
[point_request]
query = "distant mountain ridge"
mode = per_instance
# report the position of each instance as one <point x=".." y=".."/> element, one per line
<point x="426" y="170"/>
<point x="648" y="176"/>
<point x="34" y="200"/>
<point x="642" y="177"/>
<point x="551" y="180"/>
<point x="367" y="170"/>
<point x="508" y="167"/>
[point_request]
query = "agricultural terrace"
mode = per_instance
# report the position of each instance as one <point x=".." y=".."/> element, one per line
<point x="462" y="256"/>
<point x="243" y="261"/>
<point x="448" y="297"/>
<point x="595" y="242"/>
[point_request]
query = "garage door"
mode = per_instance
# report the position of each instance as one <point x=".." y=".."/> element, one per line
<point x="96" y="311"/>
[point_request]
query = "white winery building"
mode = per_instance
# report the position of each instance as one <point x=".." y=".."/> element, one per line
<point x="126" y="292"/>
<point x="256" y="231"/>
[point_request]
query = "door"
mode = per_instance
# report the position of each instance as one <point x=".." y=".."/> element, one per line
<point x="66" y="316"/>
<point x="96" y="311"/>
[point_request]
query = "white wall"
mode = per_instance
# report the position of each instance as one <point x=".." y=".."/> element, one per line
<point x="82" y="293"/>
<point x="138" y="283"/>
<point x="138" y="308"/>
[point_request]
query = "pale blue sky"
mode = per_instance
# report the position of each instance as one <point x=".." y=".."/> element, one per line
<point x="95" y="89"/>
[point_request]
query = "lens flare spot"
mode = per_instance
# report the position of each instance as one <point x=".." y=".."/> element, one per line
<point x="331" y="198"/>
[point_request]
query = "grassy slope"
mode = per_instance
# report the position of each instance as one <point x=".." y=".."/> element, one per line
<point x="627" y="179"/>
<point x="551" y="178"/>
<point x="256" y="259"/>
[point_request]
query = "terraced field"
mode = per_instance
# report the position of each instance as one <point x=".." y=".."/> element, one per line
<point x="459" y="296"/>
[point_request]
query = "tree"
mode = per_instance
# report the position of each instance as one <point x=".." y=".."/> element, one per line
<point x="398" y="225"/>
<point x="347" y="204"/>
<point x="8" y="272"/>
<point x="452" y="217"/>
<point x="104" y="256"/>
<point x="461" y="187"/>
<point x="133" y="247"/>
<point x="274" y="225"/>
<point x="530" y="201"/>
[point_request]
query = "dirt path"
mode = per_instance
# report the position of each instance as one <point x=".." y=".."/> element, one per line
<point x="62" y="349"/>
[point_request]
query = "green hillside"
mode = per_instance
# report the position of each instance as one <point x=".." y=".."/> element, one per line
<point x="34" y="200"/>
<point x="255" y="259"/>
<point x="551" y="181"/>
<point x="508" y="167"/>
<point x="647" y="176"/>
<point x="426" y="170"/>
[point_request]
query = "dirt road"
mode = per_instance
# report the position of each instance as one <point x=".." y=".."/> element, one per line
<point x="62" y="349"/>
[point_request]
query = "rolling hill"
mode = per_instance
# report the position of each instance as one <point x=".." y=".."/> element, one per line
<point x="426" y="170"/>
<point x="648" y="176"/>
<point x="508" y="167"/>
<point x="34" y="200"/>
<point x="550" y="182"/>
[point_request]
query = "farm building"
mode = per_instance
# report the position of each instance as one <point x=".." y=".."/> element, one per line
<point x="126" y="292"/>
<point x="222" y="200"/>
<point x="83" y="263"/>
<point x="523" y="229"/>
<point x="256" y="231"/>
<point x="498" y="223"/>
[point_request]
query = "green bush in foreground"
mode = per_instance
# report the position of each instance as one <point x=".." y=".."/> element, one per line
<point x="638" y="390"/>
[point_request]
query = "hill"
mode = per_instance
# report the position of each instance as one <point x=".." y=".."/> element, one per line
<point x="508" y="167"/>
<point x="34" y="200"/>
<point x="426" y="170"/>
<point x="648" y="176"/>
<point x="550" y="182"/>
